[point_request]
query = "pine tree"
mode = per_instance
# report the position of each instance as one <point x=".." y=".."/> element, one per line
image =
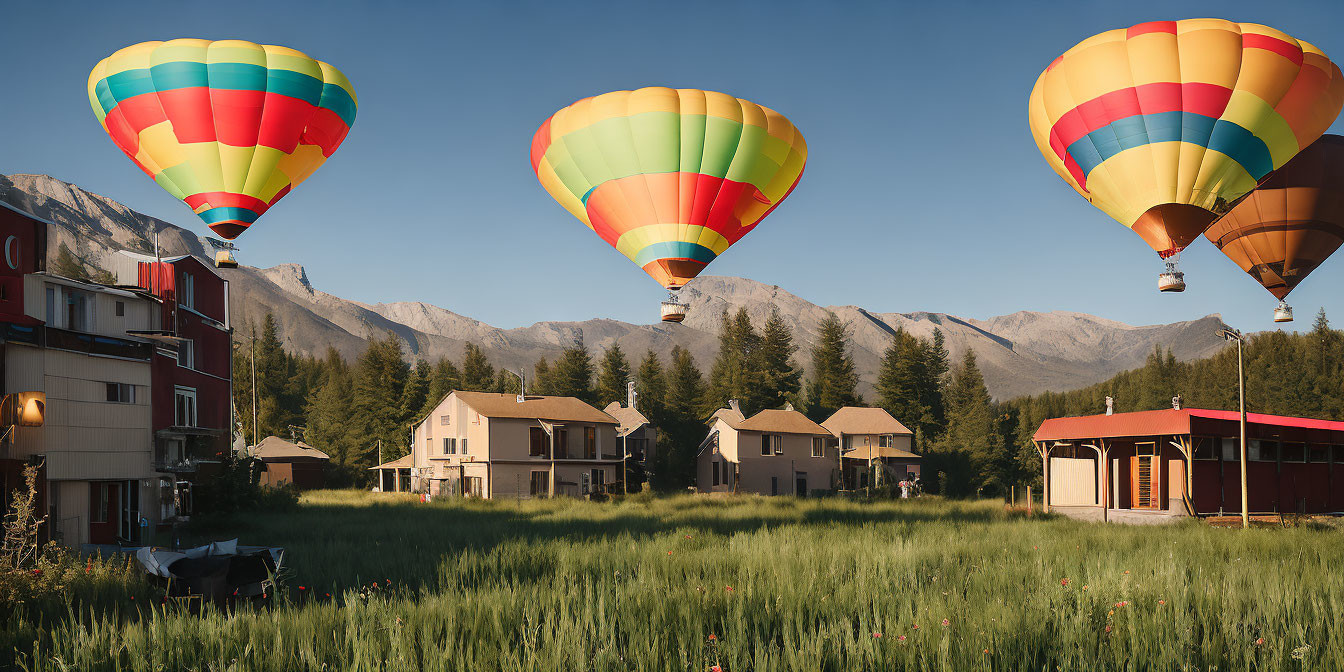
<point x="542" y="381"/>
<point x="572" y="375"/>
<point x="613" y="375"/>
<point x="834" y="377"/>
<point x="685" y="427"/>
<point x="327" y="418"/>
<point x="733" y="375"/>
<point x="972" y="448"/>
<point x="478" y="375"/>
<point x="380" y="379"/>
<point x="416" y="393"/>
<point x="443" y="379"/>
<point x="899" y="379"/>
<point x="651" y="387"/>
<point x="777" y="379"/>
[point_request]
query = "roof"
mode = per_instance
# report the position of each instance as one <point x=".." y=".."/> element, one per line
<point x="630" y="419"/>
<point x="859" y="420"/>
<point x="731" y="416"/>
<point x="276" y="447"/>
<point x="1160" y="422"/>
<point x="557" y="409"/>
<point x="781" y="421"/>
<point x="25" y="213"/>
<point x="403" y="462"/>
<point x="870" y="452"/>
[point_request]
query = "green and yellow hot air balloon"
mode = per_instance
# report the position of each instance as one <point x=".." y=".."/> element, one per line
<point x="669" y="177"/>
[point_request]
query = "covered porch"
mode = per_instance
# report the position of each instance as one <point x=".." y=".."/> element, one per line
<point x="394" y="476"/>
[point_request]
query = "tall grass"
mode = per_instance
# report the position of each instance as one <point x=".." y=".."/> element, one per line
<point x="780" y="584"/>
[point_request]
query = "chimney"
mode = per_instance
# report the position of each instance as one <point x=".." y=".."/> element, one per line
<point x="1110" y="406"/>
<point x="732" y="403"/>
<point x="788" y="406"/>
<point x="630" y="395"/>
<point x="1176" y="403"/>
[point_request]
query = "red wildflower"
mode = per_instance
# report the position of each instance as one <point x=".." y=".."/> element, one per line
<point x="916" y="626"/>
<point x="1084" y="586"/>
<point x="1126" y="571"/>
<point x="669" y="552"/>
<point x="263" y="596"/>
<point x="728" y="588"/>
<point x="1260" y="641"/>
<point x="1064" y="582"/>
<point x="37" y="572"/>
<point x="1161" y="602"/>
<point x="302" y="588"/>
<point x="1108" y="627"/>
<point x="900" y="638"/>
<point x="389" y="582"/>
<point x="986" y="650"/>
<point x="713" y="638"/>
<point x="946" y="622"/>
<point x="877" y="635"/>
<point x="327" y="594"/>
<point x="1122" y="603"/>
<point x="688" y="536"/>
<point x="235" y="591"/>
<point x="715" y="668"/>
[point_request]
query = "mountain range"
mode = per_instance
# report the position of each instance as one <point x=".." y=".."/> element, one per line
<point x="1020" y="353"/>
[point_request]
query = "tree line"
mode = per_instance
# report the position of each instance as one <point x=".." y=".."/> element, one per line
<point x="971" y="443"/>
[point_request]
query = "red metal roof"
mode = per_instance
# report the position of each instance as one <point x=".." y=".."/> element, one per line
<point x="1161" y="422"/>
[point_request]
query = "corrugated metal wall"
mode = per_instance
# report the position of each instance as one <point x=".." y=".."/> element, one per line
<point x="1073" y="482"/>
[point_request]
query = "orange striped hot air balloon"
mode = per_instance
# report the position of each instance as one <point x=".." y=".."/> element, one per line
<point x="669" y="177"/>
<point x="1164" y="125"/>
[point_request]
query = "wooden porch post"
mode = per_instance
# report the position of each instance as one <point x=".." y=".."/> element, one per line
<point x="1105" y="479"/>
<point x="1044" y="449"/>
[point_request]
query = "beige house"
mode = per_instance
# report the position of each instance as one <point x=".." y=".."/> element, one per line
<point x="775" y="452"/>
<point x="484" y="444"/>
<point x="872" y="442"/>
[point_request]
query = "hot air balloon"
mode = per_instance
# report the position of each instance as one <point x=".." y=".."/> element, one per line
<point x="1290" y="224"/>
<point x="1165" y="125"/>
<point x="228" y="127"/>
<point x="669" y="177"/>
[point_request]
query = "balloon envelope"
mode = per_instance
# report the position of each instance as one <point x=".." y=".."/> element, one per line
<point x="229" y="127"/>
<point x="1290" y="224"/>
<point x="1164" y="125"/>
<point x="669" y="177"/>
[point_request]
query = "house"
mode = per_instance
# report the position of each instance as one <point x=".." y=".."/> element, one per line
<point x="639" y="438"/>
<point x="394" y="475"/>
<point x="491" y="445"/>
<point x="1143" y="466"/>
<point x="872" y="441"/>
<point x="291" y="462"/>
<point x="774" y="452"/>
<point x="106" y="362"/>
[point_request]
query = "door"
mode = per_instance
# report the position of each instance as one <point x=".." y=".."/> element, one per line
<point x="1144" y="481"/>
<point x="104" y="512"/>
<point x="800" y="484"/>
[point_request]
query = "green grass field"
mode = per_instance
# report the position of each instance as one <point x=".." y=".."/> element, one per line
<point x="747" y="583"/>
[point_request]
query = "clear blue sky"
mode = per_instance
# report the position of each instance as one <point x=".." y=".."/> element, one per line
<point x="923" y="190"/>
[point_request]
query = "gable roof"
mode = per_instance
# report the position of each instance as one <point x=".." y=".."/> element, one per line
<point x="1161" y="422"/>
<point x="782" y="422"/>
<point x="730" y="416"/>
<point x="859" y="420"/>
<point x="557" y="409"/>
<point x="403" y="462"/>
<point x="630" y="419"/>
<point x="275" y="447"/>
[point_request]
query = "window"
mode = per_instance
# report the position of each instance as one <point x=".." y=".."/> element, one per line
<point x="474" y="486"/>
<point x="886" y="441"/>
<point x="464" y="446"/>
<point x="1231" y="450"/>
<point x="121" y="309"/>
<point x="540" y="483"/>
<point x="561" y="444"/>
<point x="599" y="478"/>
<point x="78" y="309"/>
<point x="1318" y="453"/>
<point x="590" y="443"/>
<point x="443" y="420"/>
<point x="848" y="443"/>
<point x="51" y="305"/>
<point x="537" y="442"/>
<point x="121" y="393"/>
<point x="778" y="442"/>
<point x="765" y="444"/>
<point x="185" y="407"/>
<point x="774" y="485"/>
<point x="716" y="472"/>
<point x="186" y="353"/>
<point x="186" y="291"/>
<point x="1337" y="454"/>
<point x="449" y="446"/>
<point x="818" y="446"/>
<point x="1203" y="448"/>
<point x="1293" y="452"/>
<point x="99" y="494"/>
<point x="1263" y="451"/>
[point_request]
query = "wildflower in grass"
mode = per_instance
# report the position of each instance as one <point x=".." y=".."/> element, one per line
<point x="389" y="582"/>
<point x="728" y="588"/>
<point x="1084" y="586"/>
<point x="946" y="622"/>
<point x="1301" y="652"/>
<point x="1126" y="571"/>
<point x="1108" y="627"/>
<point x="1122" y="603"/>
<point x="1161" y="603"/>
<point x="302" y="588"/>
<point x="1260" y="641"/>
<point x="1064" y="582"/>
<point x="669" y="552"/>
<point x="986" y="650"/>
<point x="37" y="572"/>
<point x="688" y="536"/>
<point x="916" y="626"/>
<point x="712" y="638"/>
<point x="715" y="668"/>
<point x="877" y="635"/>
<point x="900" y="638"/>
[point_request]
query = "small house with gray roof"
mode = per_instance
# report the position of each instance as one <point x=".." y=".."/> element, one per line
<point x="774" y="452"/>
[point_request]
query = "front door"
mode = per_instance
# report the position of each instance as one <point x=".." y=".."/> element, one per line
<point x="800" y="482"/>
<point x="104" y="512"/>
<point x="1144" y="482"/>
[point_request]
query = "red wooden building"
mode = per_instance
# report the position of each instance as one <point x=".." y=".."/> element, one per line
<point x="1185" y="462"/>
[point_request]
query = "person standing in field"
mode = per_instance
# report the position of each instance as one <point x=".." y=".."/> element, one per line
<point x="905" y="489"/>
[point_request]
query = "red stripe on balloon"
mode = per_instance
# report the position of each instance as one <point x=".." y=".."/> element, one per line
<point x="1151" y="27"/>
<point x="541" y="141"/>
<point x="327" y="130"/>
<point x="283" y="122"/>
<point x="279" y="194"/>
<point x="140" y="112"/>
<point x="1287" y="50"/>
<point x="224" y="199"/>
<point x="191" y="114"/>
<point x="1209" y="100"/>
<point x="237" y="115"/>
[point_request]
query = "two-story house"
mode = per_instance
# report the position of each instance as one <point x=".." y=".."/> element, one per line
<point x="484" y="444"/>
<point x="874" y="446"/>
<point x="775" y="452"/>
<point x="639" y="440"/>
<point x="98" y="355"/>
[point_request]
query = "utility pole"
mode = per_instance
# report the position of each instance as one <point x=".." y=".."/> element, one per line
<point x="255" y="442"/>
<point x="1234" y="335"/>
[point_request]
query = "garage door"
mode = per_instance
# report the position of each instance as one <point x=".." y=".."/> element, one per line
<point x="1073" y="482"/>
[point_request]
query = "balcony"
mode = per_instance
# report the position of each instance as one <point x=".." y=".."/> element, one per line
<point x="181" y="450"/>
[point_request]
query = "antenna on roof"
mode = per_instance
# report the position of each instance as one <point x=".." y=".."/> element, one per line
<point x="631" y="396"/>
<point x="1110" y="406"/>
<point x="522" y="384"/>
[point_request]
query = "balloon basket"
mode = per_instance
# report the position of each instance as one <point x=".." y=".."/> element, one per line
<point x="1283" y="312"/>
<point x="1171" y="282"/>
<point x="672" y="309"/>
<point x="225" y="259"/>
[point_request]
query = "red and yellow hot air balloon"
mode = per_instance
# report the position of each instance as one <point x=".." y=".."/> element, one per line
<point x="228" y="127"/>
<point x="669" y="177"/>
<point x="1290" y="224"/>
<point x="1164" y="125"/>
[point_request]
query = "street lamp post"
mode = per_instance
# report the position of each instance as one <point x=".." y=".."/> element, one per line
<point x="1234" y="335"/>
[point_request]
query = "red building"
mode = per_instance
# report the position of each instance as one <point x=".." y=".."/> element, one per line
<point x="1185" y="462"/>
